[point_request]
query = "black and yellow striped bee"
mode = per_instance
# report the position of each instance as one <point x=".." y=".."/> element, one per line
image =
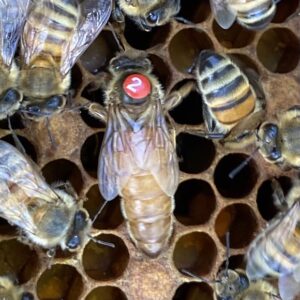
<point x="55" y="34"/>
<point x="275" y="252"/>
<point x="279" y="142"/>
<point x="12" y="18"/>
<point x="233" y="103"/>
<point x="252" y="14"/>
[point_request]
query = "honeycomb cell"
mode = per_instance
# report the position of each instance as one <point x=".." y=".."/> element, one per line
<point x="76" y="79"/>
<point x="285" y="9"/>
<point x="185" y="47"/>
<point x="240" y="221"/>
<point x="196" y="11"/>
<point x="90" y="153"/>
<point x="18" y="261"/>
<point x="161" y="70"/>
<point x="195" y="252"/>
<point x="278" y="49"/>
<point x="244" y="62"/>
<point x="106" y="293"/>
<point x="15" y="120"/>
<point x="194" y="291"/>
<point x="235" y="262"/>
<point x="192" y="158"/>
<point x="103" y="263"/>
<point x="189" y="111"/>
<point x="194" y="202"/>
<point x="236" y="36"/>
<point x="6" y="228"/>
<point x="68" y="172"/>
<point x="111" y="216"/>
<point x="99" y="53"/>
<point x="29" y="148"/>
<point x="265" y="200"/>
<point x="242" y="183"/>
<point x="58" y="282"/>
<point x="143" y="40"/>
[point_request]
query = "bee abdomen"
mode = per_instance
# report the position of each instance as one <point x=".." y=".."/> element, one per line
<point x="53" y="24"/>
<point x="148" y="213"/>
<point x="225" y="88"/>
<point x="255" y="14"/>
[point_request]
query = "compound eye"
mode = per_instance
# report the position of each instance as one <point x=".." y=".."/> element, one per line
<point x="74" y="242"/>
<point x="275" y="153"/>
<point x="152" y="17"/>
<point x="55" y="102"/>
<point x="27" y="296"/>
<point x="11" y="96"/>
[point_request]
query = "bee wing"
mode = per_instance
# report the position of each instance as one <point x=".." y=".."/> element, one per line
<point x="223" y="13"/>
<point x="289" y="285"/>
<point x="12" y="18"/>
<point x="154" y="152"/>
<point x="94" y="16"/>
<point x="17" y="170"/>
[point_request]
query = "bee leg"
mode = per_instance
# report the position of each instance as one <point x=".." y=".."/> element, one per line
<point x="67" y="186"/>
<point x="117" y="13"/>
<point x="175" y="98"/>
<point x="279" y="199"/>
<point x="98" y="111"/>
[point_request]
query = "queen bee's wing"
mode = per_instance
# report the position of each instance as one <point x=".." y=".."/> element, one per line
<point x="21" y="186"/>
<point x="223" y="13"/>
<point x="118" y="159"/>
<point x="12" y="18"/>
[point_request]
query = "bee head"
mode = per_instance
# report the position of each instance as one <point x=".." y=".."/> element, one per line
<point x="158" y="15"/>
<point x="76" y="235"/>
<point x="45" y="108"/>
<point x="230" y="283"/>
<point x="268" y="136"/>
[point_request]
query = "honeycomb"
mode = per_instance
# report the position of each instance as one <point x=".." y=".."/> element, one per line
<point x="208" y="203"/>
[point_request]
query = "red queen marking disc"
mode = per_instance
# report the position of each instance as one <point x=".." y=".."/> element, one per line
<point x="137" y="86"/>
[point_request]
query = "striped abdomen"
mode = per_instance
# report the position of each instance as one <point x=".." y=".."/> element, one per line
<point x="254" y="14"/>
<point x="225" y="89"/>
<point x="50" y="25"/>
<point x="276" y="251"/>
<point x="148" y="213"/>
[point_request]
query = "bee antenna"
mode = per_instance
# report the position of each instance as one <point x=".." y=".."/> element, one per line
<point x="15" y="138"/>
<point x="227" y="251"/>
<point x="184" y="20"/>
<point x="111" y="245"/>
<point x="117" y="39"/>
<point x="186" y="272"/>
<point x="99" y="211"/>
<point x="243" y="164"/>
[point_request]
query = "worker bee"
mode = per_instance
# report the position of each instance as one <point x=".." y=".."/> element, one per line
<point x="48" y="216"/>
<point x="12" y="18"/>
<point x="55" y="34"/>
<point x="279" y="141"/>
<point x="10" y="291"/>
<point x="235" y="284"/>
<point x="138" y="158"/>
<point x="275" y="252"/>
<point x="147" y="13"/>
<point x="233" y="104"/>
<point x="252" y="14"/>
